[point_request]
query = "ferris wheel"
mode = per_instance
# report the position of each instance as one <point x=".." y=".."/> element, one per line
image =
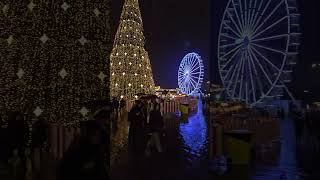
<point x="190" y="74"/>
<point x="257" y="48"/>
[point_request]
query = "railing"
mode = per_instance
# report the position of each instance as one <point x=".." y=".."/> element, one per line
<point x="165" y="107"/>
<point x="172" y="106"/>
<point x="60" y="138"/>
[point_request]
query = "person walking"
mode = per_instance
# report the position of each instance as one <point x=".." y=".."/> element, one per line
<point x="136" y="129"/>
<point x="85" y="160"/>
<point x="144" y="110"/>
<point x="115" y="104"/>
<point x="102" y="118"/>
<point x="17" y="133"/>
<point x="114" y="122"/>
<point x="40" y="135"/>
<point x="122" y="106"/>
<point x="156" y="125"/>
<point x="3" y="144"/>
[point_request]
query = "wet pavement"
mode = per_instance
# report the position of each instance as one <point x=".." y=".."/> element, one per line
<point x="186" y="154"/>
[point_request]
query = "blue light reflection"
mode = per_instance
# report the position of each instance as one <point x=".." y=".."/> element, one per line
<point x="194" y="132"/>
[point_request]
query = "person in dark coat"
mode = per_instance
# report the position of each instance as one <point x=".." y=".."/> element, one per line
<point x="40" y="133"/>
<point x="85" y="160"/>
<point x="136" y="130"/>
<point x="145" y="114"/>
<point x="122" y="105"/>
<point x="3" y="143"/>
<point x="102" y="118"/>
<point x="115" y="104"/>
<point x="18" y="132"/>
<point x="156" y="125"/>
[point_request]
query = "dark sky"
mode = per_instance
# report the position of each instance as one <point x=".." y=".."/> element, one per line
<point x="304" y="78"/>
<point x="173" y="28"/>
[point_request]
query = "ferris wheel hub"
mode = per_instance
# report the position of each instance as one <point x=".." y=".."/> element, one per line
<point x="245" y="42"/>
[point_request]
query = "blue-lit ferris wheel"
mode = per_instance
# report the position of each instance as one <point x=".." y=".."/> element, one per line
<point x="190" y="75"/>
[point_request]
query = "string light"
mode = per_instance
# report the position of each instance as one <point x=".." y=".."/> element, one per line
<point x="45" y="71"/>
<point x="130" y="36"/>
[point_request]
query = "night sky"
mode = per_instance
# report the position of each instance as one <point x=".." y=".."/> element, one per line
<point x="175" y="27"/>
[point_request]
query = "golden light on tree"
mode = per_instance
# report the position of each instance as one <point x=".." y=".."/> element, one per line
<point x="129" y="59"/>
<point x="54" y="58"/>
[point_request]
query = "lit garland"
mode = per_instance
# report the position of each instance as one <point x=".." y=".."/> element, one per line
<point x="54" y="57"/>
<point x="130" y="66"/>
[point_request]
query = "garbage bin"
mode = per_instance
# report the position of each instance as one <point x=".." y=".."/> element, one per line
<point x="184" y="109"/>
<point x="238" y="145"/>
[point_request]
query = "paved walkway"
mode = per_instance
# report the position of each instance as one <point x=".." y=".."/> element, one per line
<point x="176" y="162"/>
<point x="118" y="137"/>
<point x="185" y="155"/>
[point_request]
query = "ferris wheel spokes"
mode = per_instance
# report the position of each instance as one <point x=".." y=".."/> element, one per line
<point x="258" y="21"/>
<point x="264" y="58"/>
<point x="257" y="26"/>
<point x="190" y="74"/>
<point x="269" y="27"/>
<point x="271" y="37"/>
<point x="268" y="48"/>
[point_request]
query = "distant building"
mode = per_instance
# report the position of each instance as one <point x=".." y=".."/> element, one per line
<point x="168" y="93"/>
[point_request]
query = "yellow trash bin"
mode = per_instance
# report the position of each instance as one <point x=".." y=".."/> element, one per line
<point x="238" y="146"/>
<point x="184" y="109"/>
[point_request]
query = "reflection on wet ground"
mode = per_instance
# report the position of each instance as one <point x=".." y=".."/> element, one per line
<point x="186" y="154"/>
<point x="283" y="164"/>
<point x="194" y="136"/>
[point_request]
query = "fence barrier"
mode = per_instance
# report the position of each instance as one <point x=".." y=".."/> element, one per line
<point x="60" y="137"/>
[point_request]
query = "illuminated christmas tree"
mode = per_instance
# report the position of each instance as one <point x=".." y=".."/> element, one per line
<point x="130" y="68"/>
<point x="54" y="57"/>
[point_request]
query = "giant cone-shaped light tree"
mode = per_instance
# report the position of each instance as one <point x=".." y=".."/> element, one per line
<point x="54" y="58"/>
<point x="130" y="68"/>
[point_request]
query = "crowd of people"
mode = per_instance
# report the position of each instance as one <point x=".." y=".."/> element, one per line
<point x="87" y="156"/>
<point x="146" y="125"/>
